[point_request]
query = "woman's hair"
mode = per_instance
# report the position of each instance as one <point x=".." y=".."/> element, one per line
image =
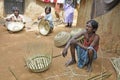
<point x="15" y="9"/>
<point x="93" y="23"/>
<point x="49" y="8"/>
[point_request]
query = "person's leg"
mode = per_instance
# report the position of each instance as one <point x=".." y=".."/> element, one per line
<point x="90" y="57"/>
<point x="72" y="60"/>
<point x="51" y="29"/>
<point x="57" y="10"/>
<point x="72" y="50"/>
<point x="70" y="19"/>
<point x="67" y="25"/>
<point x="70" y="24"/>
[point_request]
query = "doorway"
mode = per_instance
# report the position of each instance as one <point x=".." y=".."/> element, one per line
<point x="8" y="4"/>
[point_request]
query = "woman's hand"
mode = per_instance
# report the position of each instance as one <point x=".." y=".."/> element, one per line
<point x="40" y="17"/>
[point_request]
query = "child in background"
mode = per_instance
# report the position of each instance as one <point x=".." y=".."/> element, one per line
<point x="69" y="6"/>
<point x="47" y="16"/>
<point x="58" y="7"/>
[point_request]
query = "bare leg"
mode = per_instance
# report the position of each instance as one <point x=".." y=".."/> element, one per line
<point x="72" y="60"/>
<point x="70" y="25"/>
<point x="90" y="56"/>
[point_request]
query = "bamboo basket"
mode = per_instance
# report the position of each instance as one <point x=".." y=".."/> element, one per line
<point x="76" y="31"/>
<point x="61" y="38"/>
<point x="15" y="26"/>
<point x="44" y="27"/>
<point x="39" y="62"/>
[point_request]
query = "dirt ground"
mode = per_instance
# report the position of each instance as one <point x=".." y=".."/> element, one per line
<point x="14" y="47"/>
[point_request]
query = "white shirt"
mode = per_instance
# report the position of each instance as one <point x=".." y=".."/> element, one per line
<point x="19" y="18"/>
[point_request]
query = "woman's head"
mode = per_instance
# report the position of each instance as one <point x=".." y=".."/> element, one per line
<point x="15" y="11"/>
<point x="92" y="24"/>
<point x="47" y="9"/>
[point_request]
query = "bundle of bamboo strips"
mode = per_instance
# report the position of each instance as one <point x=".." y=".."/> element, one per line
<point x="101" y="76"/>
<point x="115" y="62"/>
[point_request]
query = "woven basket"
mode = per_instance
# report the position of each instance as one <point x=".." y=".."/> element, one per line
<point x="44" y="27"/>
<point x="38" y="63"/>
<point x="76" y="31"/>
<point x="61" y="38"/>
<point x="15" y="26"/>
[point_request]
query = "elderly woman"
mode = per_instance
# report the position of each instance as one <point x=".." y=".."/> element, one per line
<point x="16" y="17"/>
<point x="86" y="52"/>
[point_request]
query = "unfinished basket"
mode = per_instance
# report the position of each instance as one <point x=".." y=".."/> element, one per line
<point x="15" y="26"/>
<point x="44" y="27"/>
<point x="38" y="63"/>
<point x="61" y="38"/>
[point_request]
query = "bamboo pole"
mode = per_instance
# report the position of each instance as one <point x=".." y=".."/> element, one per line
<point x="96" y="76"/>
<point x="102" y="76"/>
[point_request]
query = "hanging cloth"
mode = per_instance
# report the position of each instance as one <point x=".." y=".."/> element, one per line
<point x="60" y="1"/>
<point x="47" y="1"/>
<point x="100" y="7"/>
<point x="55" y="1"/>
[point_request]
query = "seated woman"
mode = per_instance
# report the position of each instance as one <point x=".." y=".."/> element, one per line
<point x="86" y="52"/>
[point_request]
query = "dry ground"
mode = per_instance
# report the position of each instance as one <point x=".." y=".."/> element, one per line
<point x="14" y="47"/>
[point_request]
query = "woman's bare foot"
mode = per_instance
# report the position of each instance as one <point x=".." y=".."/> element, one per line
<point x="70" y="62"/>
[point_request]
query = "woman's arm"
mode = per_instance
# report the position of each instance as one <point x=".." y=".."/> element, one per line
<point x="72" y="40"/>
<point x="95" y="41"/>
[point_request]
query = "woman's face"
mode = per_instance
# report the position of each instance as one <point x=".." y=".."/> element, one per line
<point x="16" y="13"/>
<point x="89" y="28"/>
<point x="47" y="11"/>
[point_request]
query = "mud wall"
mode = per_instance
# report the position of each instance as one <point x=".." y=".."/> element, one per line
<point x="109" y="24"/>
<point x="33" y="8"/>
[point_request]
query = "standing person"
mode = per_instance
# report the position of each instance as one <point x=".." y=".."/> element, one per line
<point x="87" y="51"/>
<point x="15" y="17"/>
<point x="47" y="16"/>
<point x="68" y="7"/>
<point x="58" y="6"/>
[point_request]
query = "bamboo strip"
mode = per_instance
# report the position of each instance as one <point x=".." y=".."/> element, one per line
<point x="102" y="77"/>
<point x="96" y="75"/>
<point x="112" y="61"/>
<point x="12" y="73"/>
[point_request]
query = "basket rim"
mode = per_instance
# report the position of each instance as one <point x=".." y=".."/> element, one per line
<point x="33" y="57"/>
